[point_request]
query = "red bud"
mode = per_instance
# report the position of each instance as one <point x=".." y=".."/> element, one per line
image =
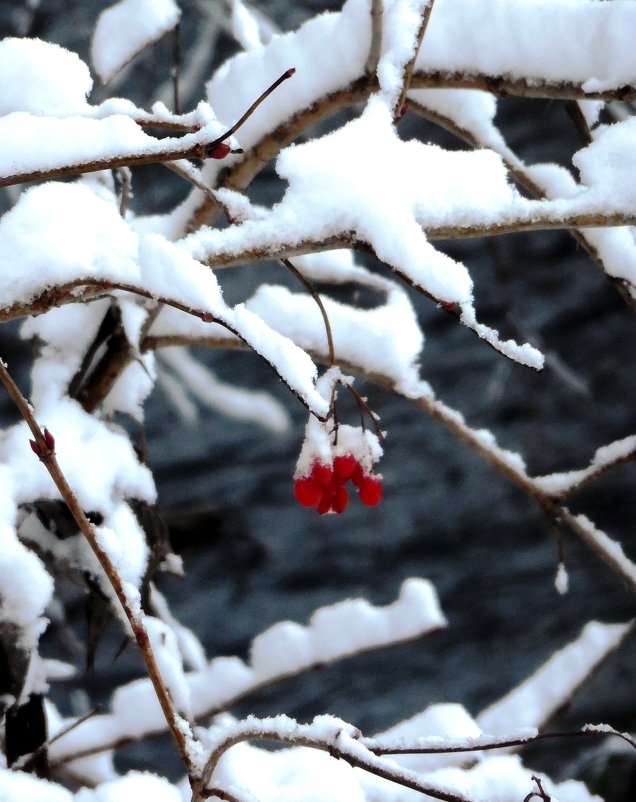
<point x="49" y="439"/>
<point x="35" y="448"/>
<point x="219" y="151"/>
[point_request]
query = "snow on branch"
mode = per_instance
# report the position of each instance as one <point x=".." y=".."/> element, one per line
<point x="560" y="485"/>
<point x="126" y="28"/>
<point x="539" y="697"/>
<point x="284" y="650"/>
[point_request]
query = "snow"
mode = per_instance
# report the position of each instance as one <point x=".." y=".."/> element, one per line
<point x="563" y="40"/>
<point x="124" y="29"/>
<point x="42" y="78"/>
<point x="560" y="484"/>
<point x="73" y="141"/>
<point x="243" y="404"/>
<point x="245" y="26"/>
<point x="544" y="692"/>
<point x="16" y="786"/>
<point x="135" y="785"/>
<point x="285" y="649"/>
<point x="401" y="22"/>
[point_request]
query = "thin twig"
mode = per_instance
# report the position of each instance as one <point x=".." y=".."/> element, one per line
<point x="199" y="150"/>
<point x="25" y="762"/>
<point x="176" y="67"/>
<point x="410" y="64"/>
<point x="375" y="47"/>
<point x="325" y="317"/>
<point x="46" y="452"/>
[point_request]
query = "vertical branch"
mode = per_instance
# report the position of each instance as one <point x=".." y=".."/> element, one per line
<point x="45" y="449"/>
<point x="176" y="67"/>
<point x="376" y="38"/>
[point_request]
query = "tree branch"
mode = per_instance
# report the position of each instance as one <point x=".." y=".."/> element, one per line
<point x="176" y="724"/>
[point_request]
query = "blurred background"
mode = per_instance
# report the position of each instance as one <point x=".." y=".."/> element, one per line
<point x="253" y="557"/>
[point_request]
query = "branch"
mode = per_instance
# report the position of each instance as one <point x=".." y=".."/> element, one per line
<point x="517" y="170"/>
<point x="45" y="448"/>
<point x="375" y="47"/>
<point x="507" y="463"/>
<point x="202" y="148"/>
<point x="432" y="746"/>
<point x="65" y="294"/>
<point x="240" y="175"/>
<point x="410" y="64"/>
<point x="342" y="743"/>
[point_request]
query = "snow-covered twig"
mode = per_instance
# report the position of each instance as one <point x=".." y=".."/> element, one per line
<point x="340" y="740"/>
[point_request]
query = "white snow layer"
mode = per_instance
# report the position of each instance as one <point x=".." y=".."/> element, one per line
<point x="43" y="79"/>
<point x="126" y="28"/>
<point x="284" y="649"/>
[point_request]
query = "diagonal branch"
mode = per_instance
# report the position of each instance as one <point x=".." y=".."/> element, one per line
<point x="410" y="64"/>
<point x="45" y="448"/>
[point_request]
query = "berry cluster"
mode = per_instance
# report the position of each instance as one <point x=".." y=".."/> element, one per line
<point x="324" y="488"/>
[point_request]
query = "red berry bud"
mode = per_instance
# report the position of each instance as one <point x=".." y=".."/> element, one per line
<point x="370" y="491"/>
<point x="307" y="491"/>
<point x="35" y="448"/>
<point x="219" y="151"/>
<point x="49" y="439"/>
<point x="344" y="467"/>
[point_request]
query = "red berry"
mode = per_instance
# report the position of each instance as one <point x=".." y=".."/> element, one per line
<point x="370" y="491"/>
<point x="325" y="505"/>
<point x="343" y="467"/>
<point x="340" y="500"/>
<point x="219" y="151"/>
<point x="307" y="492"/>
<point x="323" y="474"/>
<point x="358" y="475"/>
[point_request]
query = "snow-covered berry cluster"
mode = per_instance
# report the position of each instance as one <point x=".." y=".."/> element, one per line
<point x="334" y="454"/>
<point x="324" y="487"/>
